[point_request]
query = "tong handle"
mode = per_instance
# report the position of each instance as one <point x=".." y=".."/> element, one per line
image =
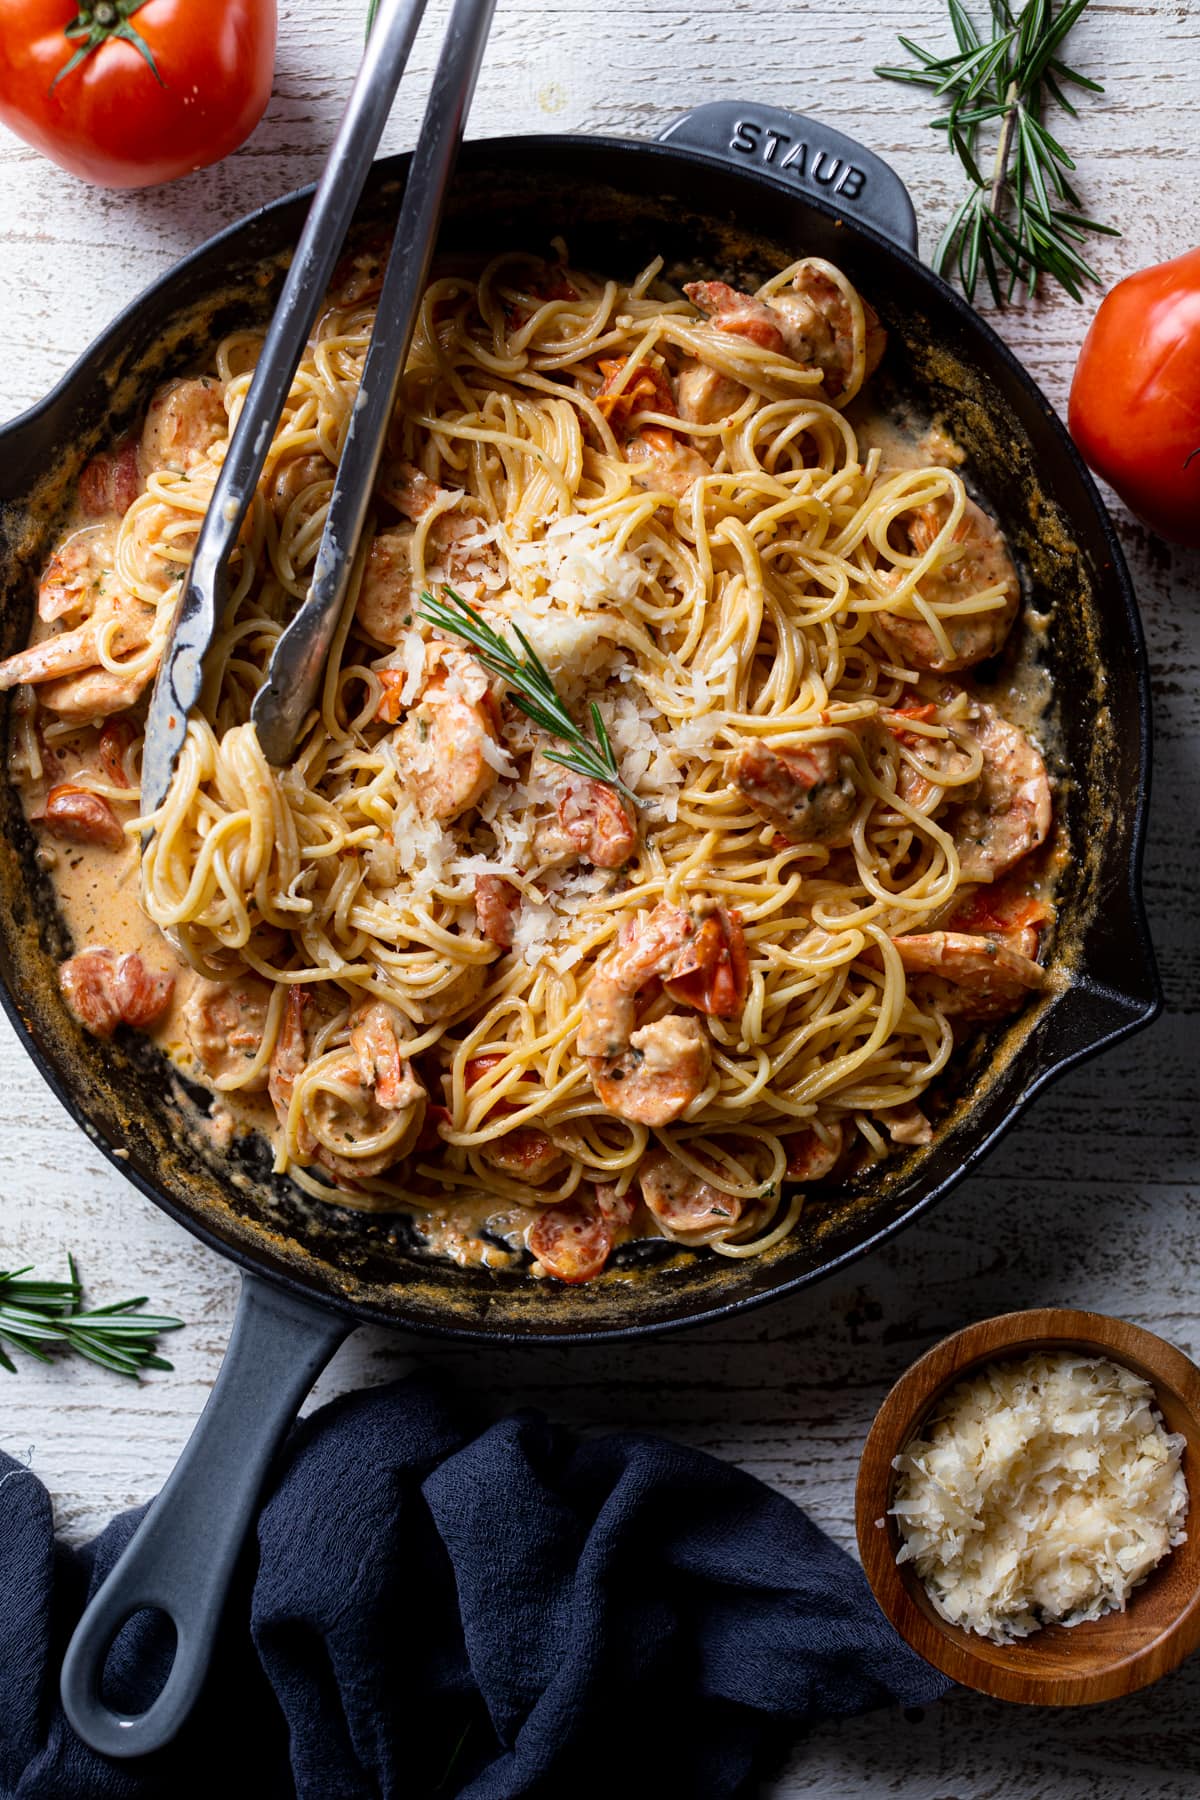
<point x="285" y="698"/>
<point x="177" y="689"/>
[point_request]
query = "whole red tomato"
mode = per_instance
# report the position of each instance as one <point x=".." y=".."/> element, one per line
<point x="1135" y="399"/>
<point x="128" y="93"/>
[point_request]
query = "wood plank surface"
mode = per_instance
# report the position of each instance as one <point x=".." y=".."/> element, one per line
<point x="1094" y="1201"/>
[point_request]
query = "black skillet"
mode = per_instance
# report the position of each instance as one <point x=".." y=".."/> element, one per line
<point x="732" y="189"/>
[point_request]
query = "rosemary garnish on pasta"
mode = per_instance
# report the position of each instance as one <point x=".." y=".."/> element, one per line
<point x="1024" y="215"/>
<point x="532" y="687"/>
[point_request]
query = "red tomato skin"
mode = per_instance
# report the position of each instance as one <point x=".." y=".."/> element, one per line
<point x="1135" y="398"/>
<point x="109" y="121"/>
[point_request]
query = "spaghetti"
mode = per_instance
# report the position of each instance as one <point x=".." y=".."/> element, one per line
<point x="447" y="972"/>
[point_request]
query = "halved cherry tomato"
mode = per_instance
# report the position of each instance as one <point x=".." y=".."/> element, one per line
<point x="571" y="1241"/>
<point x="162" y="87"/>
<point x="1135" y="398"/>
<point x="712" y="971"/>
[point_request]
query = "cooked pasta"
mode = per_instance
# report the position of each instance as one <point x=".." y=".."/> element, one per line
<point x="452" y="975"/>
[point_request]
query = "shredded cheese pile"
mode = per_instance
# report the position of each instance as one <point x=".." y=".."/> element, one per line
<point x="1041" y="1492"/>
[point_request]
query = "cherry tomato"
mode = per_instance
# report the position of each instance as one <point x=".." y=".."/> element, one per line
<point x="127" y="93"/>
<point x="571" y="1240"/>
<point x="1135" y="399"/>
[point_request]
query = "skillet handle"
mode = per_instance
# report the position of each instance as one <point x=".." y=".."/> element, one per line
<point x="800" y="153"/>
<point x="184" y="1552"/>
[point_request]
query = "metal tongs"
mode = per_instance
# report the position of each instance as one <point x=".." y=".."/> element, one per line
<point x="286" y="697"/>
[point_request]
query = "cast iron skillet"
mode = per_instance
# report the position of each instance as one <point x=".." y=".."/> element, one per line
<point x="735" y="190"/>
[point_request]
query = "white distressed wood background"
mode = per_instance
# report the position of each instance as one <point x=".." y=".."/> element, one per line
<point x="1093" y="1201"/>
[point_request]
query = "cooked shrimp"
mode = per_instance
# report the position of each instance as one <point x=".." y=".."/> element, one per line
<point x="652" y="1074"/>
<point x="526" y="1154"/>
<point x="680" y="1200"/>
<point x="1006" y="911"/>
<point x="811" y="322"/>
<point x="972" y="977"/>
<point x="298" y="475"/>
<point x="104" y="990"/>
<point x="449" y="744"/>
<point x="453" y="534"/>
<point x="662" y="463"/>
<point x="497" y="902"/>
<point x="183" y="422"/>
<point x="806" y="791"/>
<point x="82" y="817"/>
<point x="1012" y="811"/>
<point x="599" y="823"/>
<point x="907" y="1124"/>
<point x="931" y="769"/>
<point x="367" y="1088"/>
<point x="813" y="1154"/>
<point x="385" y="602"/>
<point x="76" y="574"/>
<point x="119" y="622"/>
<point x="973" y="560"/>
<point x="224" y="1022"/>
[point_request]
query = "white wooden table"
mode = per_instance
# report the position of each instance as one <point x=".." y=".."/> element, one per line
<point x="1094" y="1200"/>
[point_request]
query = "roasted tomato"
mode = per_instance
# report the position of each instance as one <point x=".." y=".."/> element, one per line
<point x="129" y="93"/>
<point x="1135" y="399"/>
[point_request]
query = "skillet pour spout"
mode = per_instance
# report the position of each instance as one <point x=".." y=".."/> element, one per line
<point x="734" y="190"/>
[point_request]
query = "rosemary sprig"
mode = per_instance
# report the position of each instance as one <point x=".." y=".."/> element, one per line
<point x="34" y="1314"/>
<point x="1023" y="216"/>
<point x="532" y="687"/>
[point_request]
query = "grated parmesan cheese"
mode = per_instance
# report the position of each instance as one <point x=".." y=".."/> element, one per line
<point x="1041" y="1492"/>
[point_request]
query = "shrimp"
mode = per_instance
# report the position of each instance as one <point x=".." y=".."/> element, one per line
<point x="90" y="691"/>
<point x="526" y="1154"/>
<point x="934" y="769"/>
<point x="367" y="1088"/>
<point x="1011" y="813"/>
<point x="653" y="1074"/>
<point x="680" y="1200"/>
<point x="497" y="901"/>
<point x="661" y="463"/>
<point x="224" y="1022"/>
<point x="813" y="1154"/>
<point x="183" y="422"/>
<point x="974" y="559"/>
<point x="104" y="990"/>
<point x="811" y="322"/>
<point x="806" y="791"/>
<point x="969" y="977"/>
<point x="384" y="608"/>
<point x="449" y="744"/>
<point x="296" y="476"/>
<point x="82" y="817"/>
<point x="598" y="821"/>
<point x="1006" y="911"/>
<point x="76" y="574"/>
<point x="454" y="533"/>
<point x="907" y="1124"/>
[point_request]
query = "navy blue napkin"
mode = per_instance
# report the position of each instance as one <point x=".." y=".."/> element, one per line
<point x="432" y="1613"/>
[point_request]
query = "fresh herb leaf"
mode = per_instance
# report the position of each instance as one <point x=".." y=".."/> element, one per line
<point x="38" y="1313"/>
<point x="1009" y="219"/>
<point x="532" y="688"/>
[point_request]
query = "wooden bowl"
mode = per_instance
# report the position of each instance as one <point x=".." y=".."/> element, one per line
<point x="1059" y="1665"/>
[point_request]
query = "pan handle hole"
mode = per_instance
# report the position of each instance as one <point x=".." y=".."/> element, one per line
<point x="138" y="1662"/>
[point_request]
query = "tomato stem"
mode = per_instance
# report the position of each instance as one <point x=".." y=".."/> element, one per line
<point x="96" y="24"/>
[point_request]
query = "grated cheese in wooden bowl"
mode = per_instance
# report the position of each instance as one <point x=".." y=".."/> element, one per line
<point x="1041" y="1491"/>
